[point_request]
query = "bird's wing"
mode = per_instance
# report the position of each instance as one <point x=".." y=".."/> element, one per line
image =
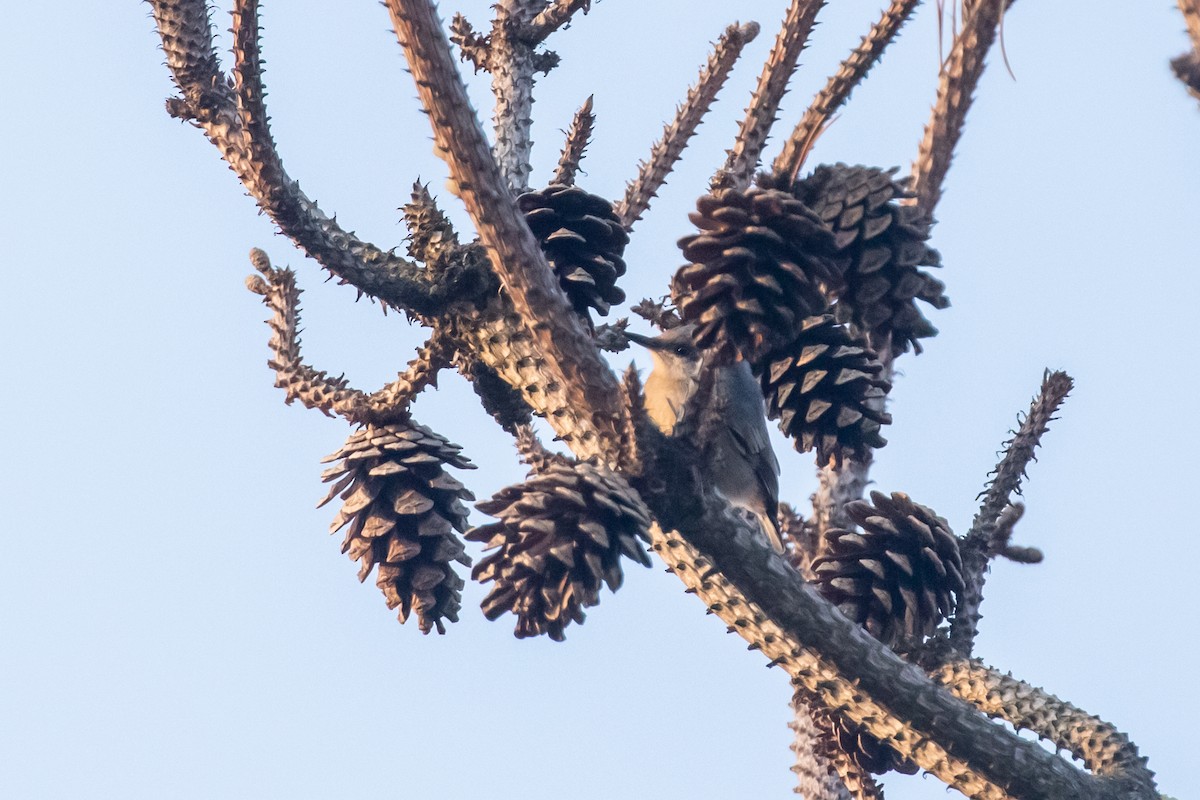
<point x="748" y="424"/>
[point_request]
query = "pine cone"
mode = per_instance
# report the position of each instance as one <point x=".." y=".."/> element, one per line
<point x="864" y="750"/>
<point x="403" y="510"/>
<point x="825" y="390"/>
<point x="882" y="243"/>
<point x="900" y="576"/>
<point x="583" y="240"/>
<point x="759" y="266"/>
<point x="560" y="534"/>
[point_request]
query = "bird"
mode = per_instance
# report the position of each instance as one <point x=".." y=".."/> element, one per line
<point x="740" y="463"/>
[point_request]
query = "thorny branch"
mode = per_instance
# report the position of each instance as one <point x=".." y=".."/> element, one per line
<point x="316" y="388"/>
<point x="837" y="90"/>
<point x="570" y="358"/>
<point x="960" y="76"/>
<point x="579" y="135"/>
<point x="664" y="153"/>
<point x="764" y="103"/>
<point x="210" y="102"/>
<point x="557" y="14"/>
<point x="985" y="539"/>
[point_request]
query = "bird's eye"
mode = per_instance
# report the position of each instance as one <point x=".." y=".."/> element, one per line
<point x="681" y="350"/>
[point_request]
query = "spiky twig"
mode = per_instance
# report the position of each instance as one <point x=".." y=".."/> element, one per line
<point x="313" y="388"/>
<point x="981" y="542"/>
<point x="1100" y="746"/>
<point x="652" y="172"/>
<point x="579" y="135"/>
<point x="1187" y="66"/>
<point x="956" y="90"/>
<point x="571" y="359"/>
<point x="837" y="90"/>
<point x="764" y="103"/>
<point x="316" y="388"/>
<point x="209" y="101"/>
<point x="511" y="62"/>
<point x="392" y="401"/>
<point x="553" y="17"/>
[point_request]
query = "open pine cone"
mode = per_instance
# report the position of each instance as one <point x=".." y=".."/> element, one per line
<point x="845" y="738"/>
<point x="403" y="511"/>
<point x="882" y="244"/>
<point x="559" y="536"/>
<point x="583" y="240"/>
<point x="759" y="266"/>
<point x="900" y="576"/>
<point x="825" y="390"/>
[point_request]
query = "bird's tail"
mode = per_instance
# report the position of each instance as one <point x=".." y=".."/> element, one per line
<point x="770" y="526"/>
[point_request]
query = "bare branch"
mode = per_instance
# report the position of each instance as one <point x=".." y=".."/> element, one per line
<point x="837" y="90"/>
<point x="209" y="101"/>
<point x="664" y="153"/>
<point x="1187" y="66"/>
<point x="1099" y="745"/>
<point x="981" y="543"/>
<point x="316" y="388"/>
<point x="394" y="399"/>
<point x="764" y="103"/>
<point x="960" y="75"/>
<point x="857" y="677"/>
<point x="512" y="66"/>
<point x="553" y="17"/>
<point x="313" y="388"/>
<point x="759" y="595"/>
<point x="579" y="135"/>
<point x="1019" y="450"/>
<point x="570" y="359"/>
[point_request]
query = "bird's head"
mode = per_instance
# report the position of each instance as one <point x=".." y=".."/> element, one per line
<point x="673" y="352"/>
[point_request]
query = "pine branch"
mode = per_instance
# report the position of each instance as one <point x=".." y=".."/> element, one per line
<point x="839" y="86"/>
<point x="209" y="101"/>
<point x="512" y="65"/>
<point x="767" y="603"/>
<point x="982" y="543"/>
<point x="1187" y="66"/>
<point x="653" y="172"/>
<point x="554" y="16"/>
<point x="720" y="557"/>
<point x="1099" y="745"/>
<point x="570" y="359"/>
<point x="764" y="103"/>
<point x="579" y="136"/>
<point x="960" y="75"/>
<point x="393" y="400"/>
<point x="313" y="388"/>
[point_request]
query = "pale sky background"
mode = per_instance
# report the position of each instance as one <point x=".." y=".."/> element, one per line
<point x="174" y="620"/>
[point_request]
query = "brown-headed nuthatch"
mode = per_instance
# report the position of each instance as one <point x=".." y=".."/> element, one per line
<point x="741" y="464"/>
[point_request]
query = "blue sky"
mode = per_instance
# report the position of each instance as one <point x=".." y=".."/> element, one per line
<point x="175" y="621"/>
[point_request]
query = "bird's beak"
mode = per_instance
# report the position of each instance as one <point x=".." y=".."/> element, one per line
<point x="645" y="341"/>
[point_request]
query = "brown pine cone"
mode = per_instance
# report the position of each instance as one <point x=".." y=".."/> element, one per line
<point x="900" y="576"/>
<point x="583" y="240"/>
<point x="825" y="390"/>
<point x="882" y="244"/>
<point x="559" y="536"/>
<point x="759" y="266"/>
<point x="403" y="510"/>
<point x="864" y="750"/>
